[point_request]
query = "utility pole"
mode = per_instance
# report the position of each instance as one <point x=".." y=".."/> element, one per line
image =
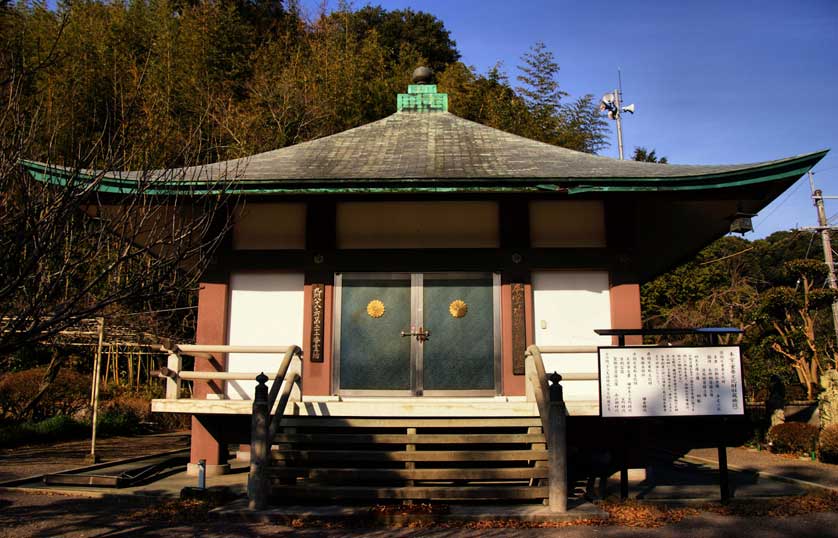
<point x="619" y="122"/>
<point x="612" y="102"/>
<point x="817" y="196"/>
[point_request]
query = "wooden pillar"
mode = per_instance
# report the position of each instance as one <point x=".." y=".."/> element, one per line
<point x="319" y="296"/>
<point x="621" y="236"/>
<point x="513" y="336"/>
<point x="557" y="447"/>
<point x="317" y="334"/>
<point x="625" y="310"/>
<point x="258" y="481"/>
<point x="207" y="440"/>
<point x="516" y="292"/>
<point x="724" y="482"/>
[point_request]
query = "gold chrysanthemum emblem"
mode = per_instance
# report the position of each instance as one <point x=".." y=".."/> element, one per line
<point x="375" y="308"/>
<point x="458" y="308"/>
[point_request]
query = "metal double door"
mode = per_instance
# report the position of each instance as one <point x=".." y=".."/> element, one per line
<point x="415" y="334"/>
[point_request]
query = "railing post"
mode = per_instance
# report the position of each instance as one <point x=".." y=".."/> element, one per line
<point x="175" y="363"/>
<point x="258" y="485"/>
<point x="557" y="447"/>
<point x="297" y="390"/>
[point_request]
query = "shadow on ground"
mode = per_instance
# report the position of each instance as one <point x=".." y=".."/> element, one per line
<point x="48" y="516"/>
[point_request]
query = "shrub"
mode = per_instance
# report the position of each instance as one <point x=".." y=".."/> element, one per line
<point x="67" y="395"/>
<point x="52" y="429"/>
<point x="173" y="421"/>
<point x="793" y="438"/>
<point x="828" y="444"/>
<point x="127" y="415"/>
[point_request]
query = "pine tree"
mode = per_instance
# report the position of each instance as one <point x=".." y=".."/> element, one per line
<point x="540" y="90"/>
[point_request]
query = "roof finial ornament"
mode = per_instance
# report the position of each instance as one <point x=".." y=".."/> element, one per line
<point x="423" y="75"/>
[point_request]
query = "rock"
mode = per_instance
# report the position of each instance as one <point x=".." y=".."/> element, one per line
<point x="828" y="398"/>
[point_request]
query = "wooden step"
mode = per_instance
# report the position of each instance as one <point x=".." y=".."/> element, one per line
<point x="410" y="455"/>
<point x="348" y="475"/>
<point x="416" y="439"/>
<point x="500" y="458"/>
<point x="400" y="422"/>
<point x="443" y="493"/>
<point x="416" y="407"/>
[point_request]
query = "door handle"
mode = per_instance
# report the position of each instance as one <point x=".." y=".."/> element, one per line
<point x="421" y="335"/>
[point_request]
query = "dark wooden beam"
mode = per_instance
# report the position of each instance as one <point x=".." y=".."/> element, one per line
<point x="427" y="260"/>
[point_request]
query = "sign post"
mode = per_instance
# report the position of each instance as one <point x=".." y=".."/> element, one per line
<point x="669" y="381"/>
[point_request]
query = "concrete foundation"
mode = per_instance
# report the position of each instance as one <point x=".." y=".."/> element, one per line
<point x="212" y="470"/>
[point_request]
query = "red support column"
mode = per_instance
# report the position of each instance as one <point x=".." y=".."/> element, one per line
<point x="207" y="442"/>
<point x="513" y="385"/>
<point x="625" y="310"/>
<point x="317" y="376"/>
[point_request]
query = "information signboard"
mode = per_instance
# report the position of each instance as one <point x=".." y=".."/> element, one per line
<point x="647" y="381"/>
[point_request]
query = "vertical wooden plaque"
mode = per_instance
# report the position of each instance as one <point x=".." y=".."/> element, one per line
<point x="519" y="332"/>
<point x="318" y="305"/>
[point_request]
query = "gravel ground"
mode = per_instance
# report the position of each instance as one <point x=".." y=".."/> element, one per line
<point x="33" y="460"/>
<point x="46" y="515"/>
<point x="763" y="461"/>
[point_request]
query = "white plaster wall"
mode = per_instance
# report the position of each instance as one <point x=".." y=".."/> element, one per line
<point x="568" y="306"/>
<point x="265" y="309"/>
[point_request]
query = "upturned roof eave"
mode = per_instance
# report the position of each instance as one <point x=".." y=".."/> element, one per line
<point x="167" y="184"/>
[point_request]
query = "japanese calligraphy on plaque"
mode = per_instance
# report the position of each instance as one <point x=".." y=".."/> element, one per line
<point x="519" y="331"/>
<point x="670" y="381"/>
<point x="318" y="298"/>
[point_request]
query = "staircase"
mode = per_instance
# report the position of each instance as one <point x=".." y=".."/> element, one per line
<point x="381" y="459"/>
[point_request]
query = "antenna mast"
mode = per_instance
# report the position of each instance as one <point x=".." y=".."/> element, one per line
<point x="618" y="103"/>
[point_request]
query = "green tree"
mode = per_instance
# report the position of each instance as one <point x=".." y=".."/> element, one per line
<point x="643" y="155"/>
<point x="540" y="90"/>
<point x="735" y="282"/>
<point x="404" y="31"/>
<point x="583" y="127"/>
<point x="790" y="316"/>
<point x="577" y="125"/>
<point x="486" y="99"/>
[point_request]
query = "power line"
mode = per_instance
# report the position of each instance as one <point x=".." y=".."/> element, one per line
<point x="825" y="169"/>
<point x="728" y="256"/>
<point x="779" y="205"/>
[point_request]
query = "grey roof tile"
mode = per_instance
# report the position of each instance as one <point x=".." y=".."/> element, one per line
<point x="437" y="145"/>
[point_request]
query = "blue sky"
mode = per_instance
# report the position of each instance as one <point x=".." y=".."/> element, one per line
<point x="714" y="81"/>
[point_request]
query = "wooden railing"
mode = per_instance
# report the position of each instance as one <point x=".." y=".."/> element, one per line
<point x="286" y="387"/>
<point x="175" y="375"/>
<point x="264" y="426"/>
<point x="553" y="413"/>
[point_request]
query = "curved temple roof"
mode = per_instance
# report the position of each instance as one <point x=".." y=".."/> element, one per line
<point x="433" y="152"/>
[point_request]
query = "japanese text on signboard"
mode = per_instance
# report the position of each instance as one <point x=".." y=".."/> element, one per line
<point x="670" y="381"/>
